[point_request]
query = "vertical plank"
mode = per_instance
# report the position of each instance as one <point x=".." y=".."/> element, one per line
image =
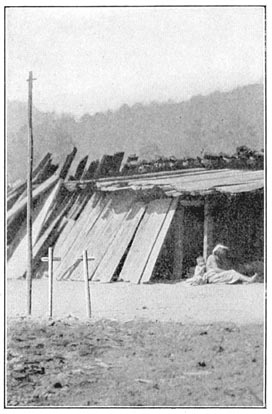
<point x="208" y="230"/>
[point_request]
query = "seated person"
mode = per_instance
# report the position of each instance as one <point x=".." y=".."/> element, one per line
<point x="200" y="270"/>
<point x="218" y="269"/>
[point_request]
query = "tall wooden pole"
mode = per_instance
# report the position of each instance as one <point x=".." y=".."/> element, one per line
<point x="29" y="195"/>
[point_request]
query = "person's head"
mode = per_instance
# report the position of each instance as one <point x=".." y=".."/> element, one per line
<point x="220" y="250"/>
<point x="200" y="261"/>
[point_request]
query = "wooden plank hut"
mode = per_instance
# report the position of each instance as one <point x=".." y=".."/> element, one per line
<point x="140" y="227"/>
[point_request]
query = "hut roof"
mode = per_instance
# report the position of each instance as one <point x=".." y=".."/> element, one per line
<point x="197" y="181"/>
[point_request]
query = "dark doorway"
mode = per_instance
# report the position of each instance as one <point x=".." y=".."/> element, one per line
<point x="192" y="234"/>
<point x="193" y="237"/>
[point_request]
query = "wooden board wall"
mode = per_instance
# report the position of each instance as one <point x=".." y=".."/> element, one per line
<point x="17" y="263"/>
<point x="156" y="248"/>
<point x="78" y="233"/>
<point x="119" y="244"/>
<point x="144" y="240"/>
<point x="101" y="235"/>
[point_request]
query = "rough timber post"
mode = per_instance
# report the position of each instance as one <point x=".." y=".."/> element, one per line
<point x="29" y="195"/>
<point x="178" y="242"/>
<point x="208" y="229"/>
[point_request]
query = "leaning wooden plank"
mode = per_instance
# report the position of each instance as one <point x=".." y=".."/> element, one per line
<point x="117" y="161"/>
<point x="144" y="240"/>
<point x="41" y="164"/>
<point x="79" y="242"/>
<point x="76" y="229"/>
<point x="154" y="254"/>
<point x="15" y="195"/>
<point x="77" y="237"/>
<point x="47" y="239"/>
<point x="90" y="170"/>
<point x="18" y="207"/>
<point x="47" y="170"/>
<point x="117" y="248"/>
<point x="93" y="235"/>
<point x="16" y="230"/>
<point x="18" y="260"/>
<point x="53" y="206"/>
<point x="74" y="199"/>
<point x="81" y="205"/>
<point x="69" y="223"/>
<point x="81" y="200"/>
<point x="80" y="168"/>
<point x="97" y="246"/>
<point x="67" y="164"/>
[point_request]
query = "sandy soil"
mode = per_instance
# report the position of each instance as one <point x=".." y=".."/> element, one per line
<point x="151" y="345"/>
<point x="242" y="304"/>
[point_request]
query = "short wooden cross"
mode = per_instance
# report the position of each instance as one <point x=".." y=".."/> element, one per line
<point x="50" y="259"/>
<point x="86" y="280"/>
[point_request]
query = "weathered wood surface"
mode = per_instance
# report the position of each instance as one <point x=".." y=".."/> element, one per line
<point x="81" y="203"/>
<point x="240" y="188"/>
<point x="100" y="237"/>
<point x="77" y="226"/>
<point x="41" y="164"/>
<point x="53" y="205"/>
<point x="76" y="240"/>
<point x="186" y="181"/>
<point x="153" y="175"/>
<point x="67" y="164"/>
<point x="144" y="240"/>
<point x="69" y="223"/>
<point x="48" y="238"/>
<point x="17" y="263"/>
<point x="18" y="207"/>
<point x="15" y="193"/>
<point x="89" y="173"/>
<point x="48" y="169"/>
<point x="16" y="231"/>
<point x="120" y="242"/>
<point x="80" y="168"/>
<point x="156" y="248"/>
<point x="81" y="241"/>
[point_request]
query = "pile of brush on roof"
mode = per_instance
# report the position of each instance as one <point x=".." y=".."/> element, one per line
<point x="243" y="158"/>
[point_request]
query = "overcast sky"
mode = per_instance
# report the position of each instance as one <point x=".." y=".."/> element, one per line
<point x="95" y="59"/>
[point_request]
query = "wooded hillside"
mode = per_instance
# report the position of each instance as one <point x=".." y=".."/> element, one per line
<point x="215" y="123"/>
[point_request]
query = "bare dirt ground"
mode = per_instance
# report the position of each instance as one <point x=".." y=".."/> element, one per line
<point x="124" y="301"/>
<point x="146" y="345"/>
